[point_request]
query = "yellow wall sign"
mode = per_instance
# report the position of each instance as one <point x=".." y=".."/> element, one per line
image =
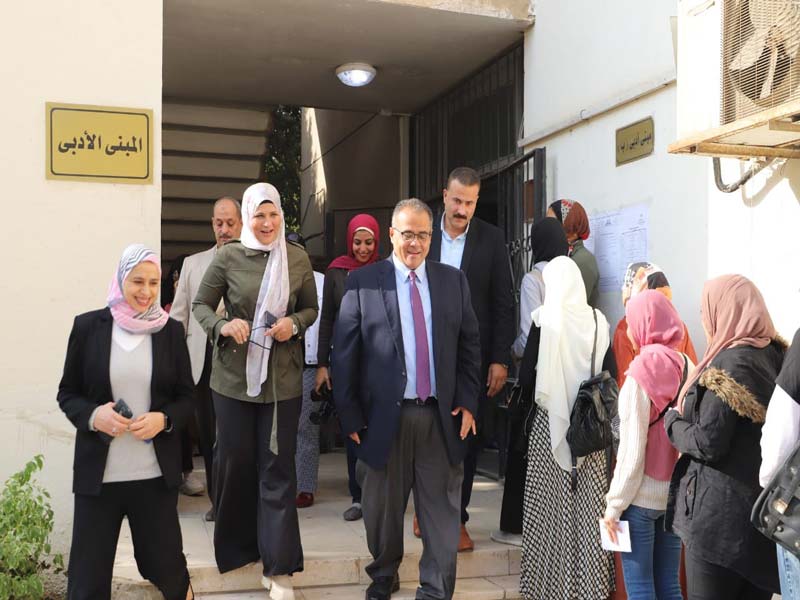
<point x="635" y="141"/>
<point x="99" y="143"/>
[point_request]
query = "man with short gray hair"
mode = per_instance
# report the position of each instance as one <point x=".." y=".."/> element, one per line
<point x="226" y="221"/>
<point x="405" y="366"/>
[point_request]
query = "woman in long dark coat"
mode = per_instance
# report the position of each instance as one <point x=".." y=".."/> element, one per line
<point x="717" y="430"/>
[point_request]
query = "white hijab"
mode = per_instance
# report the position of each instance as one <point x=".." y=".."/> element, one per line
<point x="273" y="296"/>
<point x="565" y="349"/>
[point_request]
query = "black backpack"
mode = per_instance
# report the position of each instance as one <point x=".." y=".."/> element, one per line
<point x="590" y="421"/>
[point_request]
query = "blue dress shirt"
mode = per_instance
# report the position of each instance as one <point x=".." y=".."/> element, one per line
<point x="401" y="274"/>
<point x="453" y="248"/>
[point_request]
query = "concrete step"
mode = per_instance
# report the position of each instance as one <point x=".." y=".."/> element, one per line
<point x="479" y="588"/>
<point x="321" y="573"/>
<point x="335" y="550"/>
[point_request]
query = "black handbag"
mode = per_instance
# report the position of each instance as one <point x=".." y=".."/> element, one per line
<point x="594" y="409"/>
<point x="776" y="513"/>
<point x="521" y="405"/>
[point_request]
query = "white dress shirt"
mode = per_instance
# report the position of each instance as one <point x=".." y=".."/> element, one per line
<point x="453" y="248"/>
<point x="401" y="273"/>
<point x="311" y="335"/>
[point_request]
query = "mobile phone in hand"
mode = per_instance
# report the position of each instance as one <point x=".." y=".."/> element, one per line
<point x="121" y="407"/>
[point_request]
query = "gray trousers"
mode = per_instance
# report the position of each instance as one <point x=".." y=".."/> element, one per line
<point x="417" y="461"/>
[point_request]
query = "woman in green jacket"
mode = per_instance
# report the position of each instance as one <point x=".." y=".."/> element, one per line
<point x="270" y="299"/>
<point x="575" y="222"/>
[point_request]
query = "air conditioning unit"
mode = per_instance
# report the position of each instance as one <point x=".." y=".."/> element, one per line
<point x="760" y="83"/>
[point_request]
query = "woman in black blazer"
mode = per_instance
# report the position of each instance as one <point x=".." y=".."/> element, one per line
<point x="123" y="466"/>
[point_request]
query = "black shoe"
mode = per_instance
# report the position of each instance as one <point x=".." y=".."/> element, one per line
<point x="353" y="513"/>
<point x="210" y="516"/>
<point x="382" y="588"/>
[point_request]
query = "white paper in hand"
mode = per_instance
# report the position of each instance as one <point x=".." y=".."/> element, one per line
<point x="623" y="538"/>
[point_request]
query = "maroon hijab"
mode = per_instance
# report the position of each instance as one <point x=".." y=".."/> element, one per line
<point x="348" y="261"/>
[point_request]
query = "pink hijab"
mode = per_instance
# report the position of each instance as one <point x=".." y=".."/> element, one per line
<point x="734" y="313"/>
<point x="128" y="318"/>
<point x="657" y="329"/>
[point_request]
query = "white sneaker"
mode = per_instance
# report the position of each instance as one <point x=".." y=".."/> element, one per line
<point x="191" y="486"/>
<point x="266" y="582"/>
<point x="502" y="537"/>
<point x="282" y="588"/>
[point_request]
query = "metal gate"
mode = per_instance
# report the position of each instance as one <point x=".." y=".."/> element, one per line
<point x="477" y="124"/>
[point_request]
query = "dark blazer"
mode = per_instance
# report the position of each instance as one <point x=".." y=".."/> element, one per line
<point x="332" y="292"/>
<point x="485" y="262"/>
<point x="85" y="385"/>
<point x="369" y="361"/>
<point x="715" y="482"/>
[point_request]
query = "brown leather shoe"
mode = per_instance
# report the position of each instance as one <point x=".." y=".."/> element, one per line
<point x="417" y="532"/>
<point x="465" y="543"/>
<point x="304" y="500"/>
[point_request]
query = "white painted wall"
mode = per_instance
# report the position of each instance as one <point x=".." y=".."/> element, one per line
<point x="583" y="53"/>
<point x="581" y="166"/>
<point x="584" y="56"/>
<point x="63" y="239"/>
<point x="590" y="57"/>
<point x="753" y="230"/>
<point x="349" y="160"/>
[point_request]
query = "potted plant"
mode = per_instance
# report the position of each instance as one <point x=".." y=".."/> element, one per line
<point x="26" y="521"/>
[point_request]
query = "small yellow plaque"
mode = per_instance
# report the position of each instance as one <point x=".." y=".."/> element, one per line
<point x="635" y="141"/>
<point x="99" y="143"/>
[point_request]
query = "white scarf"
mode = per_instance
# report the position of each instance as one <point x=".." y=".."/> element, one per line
<point x="565" y="349"/>
<point x="273" y="296"/>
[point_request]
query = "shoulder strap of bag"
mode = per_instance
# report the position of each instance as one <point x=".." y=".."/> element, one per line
<point x="594" y="344"/>
<point x="574" y="470"/>
<point x="675" y="399"/>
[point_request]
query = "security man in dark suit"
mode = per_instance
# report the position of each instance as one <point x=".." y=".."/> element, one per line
<point x="478" y="249"/>
<point x="406" y="365"/>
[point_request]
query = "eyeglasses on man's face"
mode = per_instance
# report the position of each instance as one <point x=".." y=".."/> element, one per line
<point x="409" y="236"/>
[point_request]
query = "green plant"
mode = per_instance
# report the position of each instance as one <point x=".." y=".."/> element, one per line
<point x="282" y="168"/>
<point x="26" y="521"/>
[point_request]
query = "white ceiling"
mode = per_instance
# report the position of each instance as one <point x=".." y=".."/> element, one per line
<point x="266" y="52"/>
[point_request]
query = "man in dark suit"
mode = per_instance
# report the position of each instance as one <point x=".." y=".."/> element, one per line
<point x="406" y="365"/>
<point x="478" y="249"/>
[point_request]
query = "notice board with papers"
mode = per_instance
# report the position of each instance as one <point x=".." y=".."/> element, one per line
<point x="617" y="239"/>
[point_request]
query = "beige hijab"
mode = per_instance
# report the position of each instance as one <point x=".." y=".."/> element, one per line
<point x="734" y="314"/>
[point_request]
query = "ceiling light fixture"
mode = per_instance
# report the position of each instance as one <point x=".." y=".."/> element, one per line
<point x="355" y="74"/>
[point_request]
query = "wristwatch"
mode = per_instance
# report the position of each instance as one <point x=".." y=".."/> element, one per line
<point x="295" y="330"/>
<point x="167" y="422"/>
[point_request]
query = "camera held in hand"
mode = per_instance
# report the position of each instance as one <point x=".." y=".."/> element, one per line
<point x="326" y="409"/>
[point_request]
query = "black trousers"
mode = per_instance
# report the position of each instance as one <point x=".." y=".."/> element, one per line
<point x="352" y="481"/>
<point x="254" y="489"/>
<point x="206" y="421"/>
<point x="484" y="421"/>
<point x="707" y="581"/>
<point x="514" y="487"/>
<point x="152" y="512"/>
<point x="187" y="465"/>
